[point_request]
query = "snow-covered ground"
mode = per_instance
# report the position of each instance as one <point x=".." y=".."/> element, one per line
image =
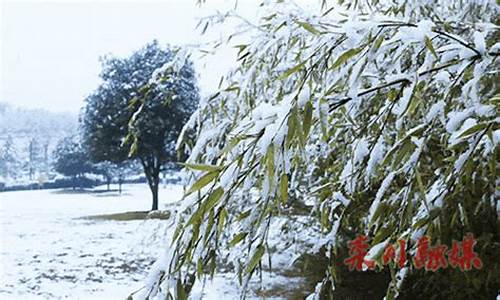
<point x="50" y="250"/>
<point x="47" y="250"/>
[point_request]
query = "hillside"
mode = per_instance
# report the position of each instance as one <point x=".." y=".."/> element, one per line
<point x="27" y="140"/>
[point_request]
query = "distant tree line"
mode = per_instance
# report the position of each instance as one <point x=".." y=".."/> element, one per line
<point x="72" y="159"/>
<point x="31" y="161"/>
<point x="27" y="140"/>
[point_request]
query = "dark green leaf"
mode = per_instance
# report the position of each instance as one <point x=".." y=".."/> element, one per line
<point x="237" y="238"/>
<point x="259" y="252"/>
<point x="181" y="293"/>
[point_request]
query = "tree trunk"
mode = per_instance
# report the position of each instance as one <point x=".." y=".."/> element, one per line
<point x="153" y="181"/>
<point x="154" y="191"/>
<point x="152" y="172"/>
<point x="74" y="182"/>
<point x="120" y="186"/>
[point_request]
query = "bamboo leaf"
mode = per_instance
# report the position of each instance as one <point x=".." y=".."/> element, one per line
<point x="308" y="27"/>
<point x="344" y="57"/>
<point x="284" y="188"/>
<point x="378" y="42"/>
<point x="414" y="103"/>
<point x="210" y="224"/>
<point x="200" y="167"/>
<point x="214" y="198"/>
<point x="428" y="44"/>
<point x="134" y="147"/>
<point x="232" y="143"/>
<point x="420" y="185"/>
<point x="199" y="268"/>
<point x="259" y="252"/>
<point x="325" y="212"/>
<point x="420" y="223"/>
<point x="473" y="129"/>
<point x="221" y="222"/>
<point x="196" y="217"/>
<point x="243" y="215"/>
<point x="308" y="109"/>
<point x="382" y="234"/>
<point x="402" y="142"/>
<point x="203" y="181"/>
<point x="292" y="70"/>
<point x="181" y="293"/>
<point x="270" y="164"/>
<point x="237" y="238"/>
<point x="291" y="129"/>
<point x="382" y="207"/>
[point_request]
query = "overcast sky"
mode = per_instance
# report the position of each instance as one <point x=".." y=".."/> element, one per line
<point x="50" y="50"/>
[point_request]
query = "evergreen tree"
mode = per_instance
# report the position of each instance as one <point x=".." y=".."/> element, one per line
<point x="35" y="157"/>
<point x="113" y="171"/>
<point x="9" y="160"/>
<point x="139" y="109"/>
<point x="71" y="159"/>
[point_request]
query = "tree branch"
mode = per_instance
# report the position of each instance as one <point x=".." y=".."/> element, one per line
<point x="343" y="101"/>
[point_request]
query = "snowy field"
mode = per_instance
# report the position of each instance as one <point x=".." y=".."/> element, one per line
<point x="50" y="249"/>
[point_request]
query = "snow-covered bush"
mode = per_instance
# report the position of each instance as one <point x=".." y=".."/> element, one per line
<point x="383" y="115"/>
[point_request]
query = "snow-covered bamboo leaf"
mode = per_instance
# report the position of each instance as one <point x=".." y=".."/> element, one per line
<point x="292" y="127"/>
<point x="231" y="144"/>
<point x="292" y="70"/>
<point x="306" y="102"/>
<point x="473" y="129"/>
